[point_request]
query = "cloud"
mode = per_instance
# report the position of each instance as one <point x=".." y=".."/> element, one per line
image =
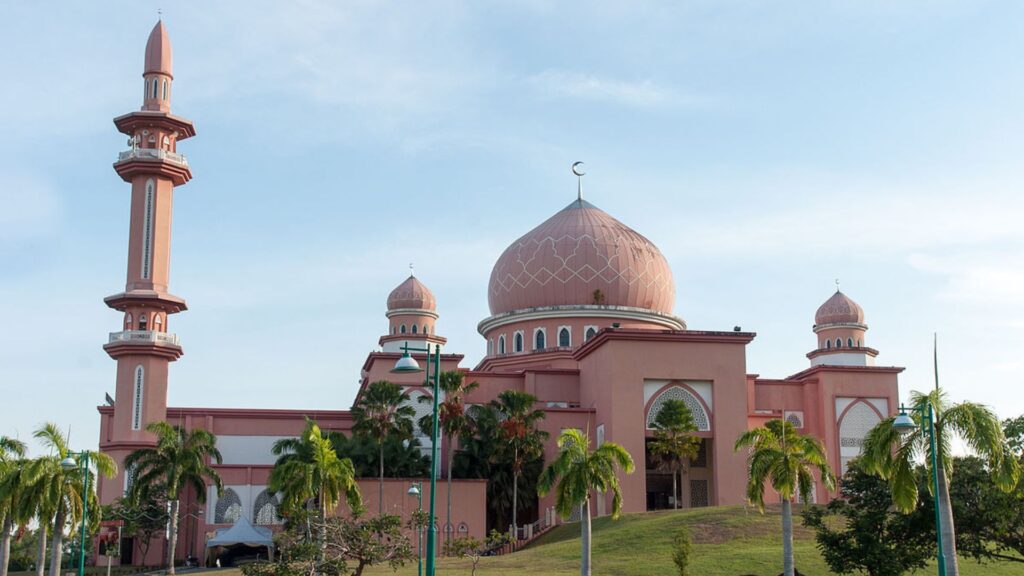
<point x="643" y="93"/>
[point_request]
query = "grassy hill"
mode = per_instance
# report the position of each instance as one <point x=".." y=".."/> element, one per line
<point x="728" y="541"/>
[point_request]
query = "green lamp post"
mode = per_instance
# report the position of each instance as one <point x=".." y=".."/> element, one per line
<point x="405" y="365"/>
<point x="904" y="424"/>
<point x="414" y="490"/>
<point x="69" y="463"/>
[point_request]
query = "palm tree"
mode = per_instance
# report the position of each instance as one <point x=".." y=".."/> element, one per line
<point x="674" y="440"/>
<point x="59" y="491"/>
<point x="784" y="458"/>
<point x="578" y="470"/>
<point x="181" y="458"/>
<point x="452" y="420"/>
<point x="522" y="441"/>
<point x="892" y="456"/>
<point x="12" y="464"/>
<point x="383" y="410"/>
<point x="308" y="468"/>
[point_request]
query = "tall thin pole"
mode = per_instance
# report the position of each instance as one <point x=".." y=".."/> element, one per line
<point x="431" y="527"/>
<point x="935" y="479"/>
<point x="419" y="532"/>
<point x="85" y="511"/>
<point x="935" y="358"/>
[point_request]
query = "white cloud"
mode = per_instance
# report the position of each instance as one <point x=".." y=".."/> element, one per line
<point x="642" y="93"/>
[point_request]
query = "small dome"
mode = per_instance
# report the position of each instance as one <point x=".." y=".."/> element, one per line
<point x="412" y="294"/>
<point x="581" y="256"/>
<point x="839" y="309"/>
<point x="158" y="51"/>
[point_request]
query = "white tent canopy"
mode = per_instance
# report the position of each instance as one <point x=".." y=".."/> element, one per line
<point x="244" y="533"/>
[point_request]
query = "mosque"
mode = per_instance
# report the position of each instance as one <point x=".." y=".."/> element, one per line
<point x="581" y="316"/>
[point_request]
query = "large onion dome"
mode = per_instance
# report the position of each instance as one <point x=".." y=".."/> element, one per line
<point x="411" y="294"/>
<point x="581" y="256"/>
<point x="839" y="309"/>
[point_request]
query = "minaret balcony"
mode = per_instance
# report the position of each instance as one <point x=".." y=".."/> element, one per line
<point x="152" y="154"/>
<point x="144" y="337"/>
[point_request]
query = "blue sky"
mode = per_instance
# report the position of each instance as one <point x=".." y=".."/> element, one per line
<point x="767" y="148"/>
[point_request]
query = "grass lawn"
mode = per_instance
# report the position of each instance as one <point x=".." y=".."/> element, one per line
<point x="728" y="541"/>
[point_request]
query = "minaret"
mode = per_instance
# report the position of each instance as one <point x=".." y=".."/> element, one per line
<point x="144" y="345"/>
<point x="412" y="313"/>
<point x="839" y="325"/>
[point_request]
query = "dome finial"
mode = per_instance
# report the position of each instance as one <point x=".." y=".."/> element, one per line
<point x="411" y="271"/>
<point x="579" y="179"/>
<point x="837" y="285"/>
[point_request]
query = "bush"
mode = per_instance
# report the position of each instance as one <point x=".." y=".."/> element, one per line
<point x="682" y="547"/>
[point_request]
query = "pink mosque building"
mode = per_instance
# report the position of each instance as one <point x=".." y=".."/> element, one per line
<point x="581" y="316"/>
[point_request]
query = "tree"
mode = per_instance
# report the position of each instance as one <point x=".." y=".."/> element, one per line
<point x="403" y="458"/>
<point x="482" y="455"/>
<point x="872" y="536"/>
<point x="383" y="410"/>
<point x="578" y="470"/>
<point x="674" y="440"/>
<point x="474" y="549"/>
<point x="1013" y="429"/>
<point x="60" y="491"/>
<point x="785" y="459"/>
<point x="682" y="545"/>
<point x="180" y="458"/>
<point x="521" y="440"/>
<point x="989" y="521"/>
<point x="12" y="483"/>
<point x="892" y="456"/>
<point x="144" y="513"/>
<point x="452" y="420"/>
<point x="308" y="468"/>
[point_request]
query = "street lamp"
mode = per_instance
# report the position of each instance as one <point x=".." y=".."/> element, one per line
<point x="69" y="464"/>
<point x="414" y="490"/>
<point x="905" y="425"/>
<point x="407" y="365"/>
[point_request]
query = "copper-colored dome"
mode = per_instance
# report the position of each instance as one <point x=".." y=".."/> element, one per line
<point x="839" y="309"/>
<point x="158" y="51"/>
<point x="581" y="256"/>
<point x="412" y="294"/>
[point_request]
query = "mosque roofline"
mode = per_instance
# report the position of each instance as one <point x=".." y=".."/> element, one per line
<point x="835" y="368"/>
<point x="608" y="334"/>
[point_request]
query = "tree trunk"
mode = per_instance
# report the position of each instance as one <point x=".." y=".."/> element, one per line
<point x="948" y="529"/>
<point x="449" y="535"/>
<point x="380" y="505"/>
<point x="585" y="538"/>
<point x="675" y="492"/>
<point x="5" y="545"/>
<point x="787" y="537"/>
<point x="41" y="550"/>
<point x="515" y="498"/>
<point x="56" y="545"/>
<point x="172" y="538"/>
<point x="322" y="533"/>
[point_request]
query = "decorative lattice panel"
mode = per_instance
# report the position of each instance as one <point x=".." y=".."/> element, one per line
<point x="699" y="493"/>
<point x="701" y="460"/>
<point x="229" y="508"/>
<point x="856" y="424"/>
<point x="266" y="509"/>
<point x="700" y="417"/>
<point x="796" y="418"/>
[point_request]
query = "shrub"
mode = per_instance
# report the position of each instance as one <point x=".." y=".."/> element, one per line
<point x="682" y="547"/>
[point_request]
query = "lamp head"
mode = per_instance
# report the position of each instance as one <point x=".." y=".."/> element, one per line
<point x="904" y="424"/>
<point x="414" y="490"/>
<point x="69" y="463"/>
<point x="406" y="365"/>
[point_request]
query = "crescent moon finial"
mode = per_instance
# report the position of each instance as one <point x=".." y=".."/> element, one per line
<point x="579" y="179"/>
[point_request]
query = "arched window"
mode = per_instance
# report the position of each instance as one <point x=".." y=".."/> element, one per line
<point x="137" y="392"/>
<point x="839" y="342"/>
<point x="394" y="330"/>
<point x="858" y="342"/>
<point x="700" y="416"/>
<point x="828" y="344"/>
<point x="402" y="329"/>
<point x="165" y="90"/>
<point x="266" y="509"/>
<point x="539" y="339"/>
<point x="158" y="321"/>
<point x="849" y="342"/>
<point x="426" y="329"/>
<point x="517" y="344"/>
<point x="854" y="426"/>
<point x="591" y="332"/>
<point x="490" y="347"/>
<point x="564" y="339"/>
<point x="143" y="323"/>
<point x="501" y="344"/>
<point x="128" y="321"/>
<point x="415" y="328"/>
<point x="155" y="86"/>
<point x="229" y="508"/>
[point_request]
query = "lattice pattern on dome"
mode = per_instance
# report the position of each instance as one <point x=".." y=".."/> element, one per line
<point x="856" y="424"/>
<point x="229" y="508"/>
<point x="266" y="509"/>
<point x="700" y="417"/>
<point x="699" y="493"/>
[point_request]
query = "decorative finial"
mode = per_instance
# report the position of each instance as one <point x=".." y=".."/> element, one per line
<point x="837" y="285"/>
<point x="159" y="14"/>
<point x="411" y="271"/>
<point x="579" y="179"/>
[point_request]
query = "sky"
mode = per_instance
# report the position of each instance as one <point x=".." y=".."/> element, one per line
<point x="767" y="148"/>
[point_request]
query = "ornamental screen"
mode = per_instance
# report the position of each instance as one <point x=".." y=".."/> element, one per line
<point x="700" y="417"/>
<point x="266" y="509"/>
<point x="229" y="508"/>
<point x="858" y="420"/>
